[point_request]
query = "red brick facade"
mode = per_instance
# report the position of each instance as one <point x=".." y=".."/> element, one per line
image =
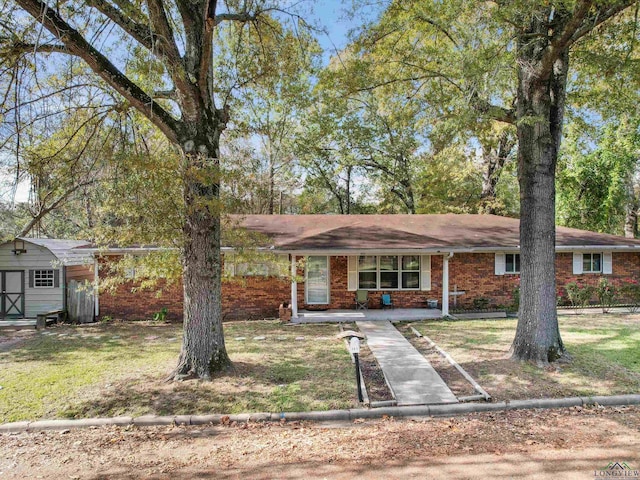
<point x="259" y="297"/>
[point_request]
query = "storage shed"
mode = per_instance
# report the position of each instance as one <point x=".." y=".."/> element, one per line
<point x="35" y="272"/>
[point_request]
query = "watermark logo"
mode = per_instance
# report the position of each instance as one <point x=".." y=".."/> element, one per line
<point x="617" y="470"/>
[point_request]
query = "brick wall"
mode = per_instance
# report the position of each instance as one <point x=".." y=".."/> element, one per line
<point x="245" y="298"/>
<point x="259" y="297"/>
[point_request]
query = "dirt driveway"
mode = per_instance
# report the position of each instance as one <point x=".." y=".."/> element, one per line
<point x="564" y="444"/>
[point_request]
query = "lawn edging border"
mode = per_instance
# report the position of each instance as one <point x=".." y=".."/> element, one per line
<point x="327" y="415"/>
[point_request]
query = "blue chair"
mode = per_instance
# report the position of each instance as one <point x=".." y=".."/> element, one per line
<point x="386" y="301"/>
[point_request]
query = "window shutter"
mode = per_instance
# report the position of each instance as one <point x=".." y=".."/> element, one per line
<point x="607" y="263"/>
<point x="30" y="278"/>
<point x="229" y="266"/>
<point x="56" y="278"/>
<point x="577" y="263"/>
<point x="425" y="272"/>
<point x="500" y="263"/>
<point x="352" y="273"/>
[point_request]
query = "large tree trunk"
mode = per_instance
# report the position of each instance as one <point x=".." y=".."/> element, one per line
<point x="631" y="214"/>
<point x="540" y="111"/>
<point x="203" y="349"/>
<point x="492" y="163"/>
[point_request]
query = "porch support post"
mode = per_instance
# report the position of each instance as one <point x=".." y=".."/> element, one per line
<point x="294" y="287"/>
<point x="445" y="284"/>
<point x="96" y="288"/>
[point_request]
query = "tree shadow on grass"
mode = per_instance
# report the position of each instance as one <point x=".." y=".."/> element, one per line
<point x="245" y="387"/>
<point x="56" y="349"/>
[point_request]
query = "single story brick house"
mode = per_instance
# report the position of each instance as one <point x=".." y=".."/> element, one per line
<point x="414" y="258"/>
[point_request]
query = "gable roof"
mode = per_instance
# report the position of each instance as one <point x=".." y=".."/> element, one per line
<point x="457" y="232"/>
<point x="69" y="252"/>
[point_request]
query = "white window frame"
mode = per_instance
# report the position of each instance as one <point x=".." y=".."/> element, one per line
<point x="306" y="281"/>
<point x="514" y="271"/>
<point x="399" y="272"/>
<point x="591" y="254"/>
<point x="38" y="277"/>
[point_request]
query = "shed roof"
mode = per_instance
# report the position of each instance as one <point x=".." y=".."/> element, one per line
<point x="69" y="252"/>
<point x="409" y="232"/>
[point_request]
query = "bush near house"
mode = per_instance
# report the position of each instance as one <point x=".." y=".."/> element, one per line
<point x="579" y="295"/>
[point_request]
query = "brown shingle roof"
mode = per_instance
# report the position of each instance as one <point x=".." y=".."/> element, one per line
<point x="398" y="232"/>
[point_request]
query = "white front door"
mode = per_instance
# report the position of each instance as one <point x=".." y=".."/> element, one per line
<point x="317" y="280"/>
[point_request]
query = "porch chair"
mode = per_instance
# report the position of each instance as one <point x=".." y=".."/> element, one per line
<point x="362" y="300"/>
<point x="385" y="301"/>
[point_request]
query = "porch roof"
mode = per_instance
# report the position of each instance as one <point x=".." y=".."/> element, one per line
<point x="410" y="232"/>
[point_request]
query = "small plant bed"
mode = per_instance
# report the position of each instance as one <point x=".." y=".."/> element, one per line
<point x="604" y="349"/>
<point x="114" y="369"/>
<point x="374" y="380"/>
<point x="479" y="310"/>
<point x="451" y="376"/>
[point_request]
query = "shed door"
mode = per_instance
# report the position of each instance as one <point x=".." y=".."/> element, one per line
<point x="12" y="293"/>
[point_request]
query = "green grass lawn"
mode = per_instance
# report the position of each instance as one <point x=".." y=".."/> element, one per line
<point x="119" y="369"/>
<point x="604" y="349"/>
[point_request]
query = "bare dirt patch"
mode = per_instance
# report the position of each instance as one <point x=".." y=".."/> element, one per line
<point x="13" y="337"/>
<point x="374" y="380"/>
<point x="570" y="443"/>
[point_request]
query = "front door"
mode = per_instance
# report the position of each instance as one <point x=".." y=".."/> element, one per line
<point x="12" y="293"/>
<point x="317" y="284"/>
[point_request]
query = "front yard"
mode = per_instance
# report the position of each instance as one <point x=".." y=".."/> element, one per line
<point x="605" y="351"/>
<point x="119" y="369"/>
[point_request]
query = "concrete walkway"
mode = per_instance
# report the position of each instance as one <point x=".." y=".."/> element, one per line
<point x="411" y="377"/>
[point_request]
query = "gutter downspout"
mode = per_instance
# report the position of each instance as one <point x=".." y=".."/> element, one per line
<point x="445" y="284"/>
<point x="96" y="299"/>
<point x="294" y="287"/>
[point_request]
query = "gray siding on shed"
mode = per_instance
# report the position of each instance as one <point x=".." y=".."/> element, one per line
<point x="37" y="300"/>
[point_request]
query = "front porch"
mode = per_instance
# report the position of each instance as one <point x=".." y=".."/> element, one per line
<point x="392" y="315"/>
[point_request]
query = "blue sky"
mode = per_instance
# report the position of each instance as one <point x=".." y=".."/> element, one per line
<point x="330" y="15"/>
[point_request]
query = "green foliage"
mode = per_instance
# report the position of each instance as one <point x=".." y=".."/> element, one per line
<point x="480" y="303"/>
<point x="579" y="295"/>
<point x="595" y="186"/>
<point x="161" y="315"/>
<point x="515" y="302"/>
<point x="630" y="293"/>
<point x="607" y="294"/>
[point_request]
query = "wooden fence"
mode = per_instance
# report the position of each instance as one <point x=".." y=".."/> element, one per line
<point x="80" y="302"/>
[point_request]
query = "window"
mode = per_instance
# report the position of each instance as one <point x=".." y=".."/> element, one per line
<point x="389" y="272"/>
<point x="43" y="279"/>
<point x="512" y="263"/>
<point x="411" y="272"/>
<point x="367" y="272"/>
<point x="591" y="262"/>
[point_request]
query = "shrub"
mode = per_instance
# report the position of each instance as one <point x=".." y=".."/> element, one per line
<point x="480" y="303"/>
<point x="160" y="316"/>
<point x="578" y="295"/>
<point x="607" y="294"/>
<point x="515" y="300"/>
<point x="631" y="293"/>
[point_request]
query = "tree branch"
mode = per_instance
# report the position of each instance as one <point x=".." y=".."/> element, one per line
<point x="244" y="17"/>
<point x="164" y="39"/>
<point x="43" y="211"/>
<point x="78" y="45"/>
<point x="22" y="47"/>
<point x="138" y="31"/>
<point x="579" y="26"/>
